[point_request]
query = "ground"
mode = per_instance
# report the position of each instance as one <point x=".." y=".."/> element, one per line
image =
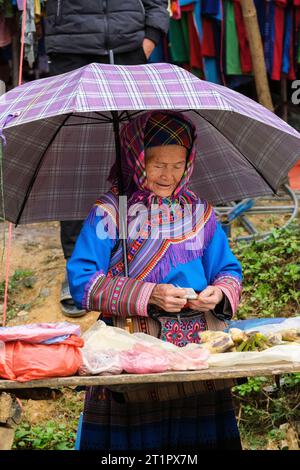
<point x="37" y="258"/>
<point x="36" y="248"/>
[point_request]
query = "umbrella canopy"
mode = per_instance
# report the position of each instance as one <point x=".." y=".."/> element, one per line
<point x="60" y="139"/>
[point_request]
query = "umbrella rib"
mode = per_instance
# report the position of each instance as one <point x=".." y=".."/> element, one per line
<point x="128" y="117"/>
<point x="32" y="181"/>
<point x="86" y="123"/>
<point x="90" y="117"/>
<point x="106" y="118"/>
<point x="247" y="159"/>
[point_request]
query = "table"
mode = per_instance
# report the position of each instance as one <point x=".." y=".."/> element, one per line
<point x="8" y="406"/>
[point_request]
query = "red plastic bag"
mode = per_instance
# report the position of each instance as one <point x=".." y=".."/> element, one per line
<point x="23" y="361"/>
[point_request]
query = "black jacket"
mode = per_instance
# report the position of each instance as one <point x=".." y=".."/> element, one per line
<point x="96" y="26"/>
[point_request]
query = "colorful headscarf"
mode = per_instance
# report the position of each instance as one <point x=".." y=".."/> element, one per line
<point x="151" y="258"/>
<point x="168" y="129"/>
<point x="133" y="159"/>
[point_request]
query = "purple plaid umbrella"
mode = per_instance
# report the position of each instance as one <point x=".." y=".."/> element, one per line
<point x="60" y="141"/>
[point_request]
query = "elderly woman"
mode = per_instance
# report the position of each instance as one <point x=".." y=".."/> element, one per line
<point x="168" y="254"/>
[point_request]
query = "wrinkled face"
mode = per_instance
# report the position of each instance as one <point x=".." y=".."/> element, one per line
<point x="165" y="165"/>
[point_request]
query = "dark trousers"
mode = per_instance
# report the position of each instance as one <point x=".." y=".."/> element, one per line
<point x="62" y="63"/>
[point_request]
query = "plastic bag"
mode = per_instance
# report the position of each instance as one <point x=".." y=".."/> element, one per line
<point x="280" y="353"/>
<point x="39" y="332"/>
<point x="113" y="350"/>
<point x="142" y="359"/>
<point x="23" y="361"/>
<point x="101" y="337"/>
<point x="105" y="362"/>
<point x="266" y="325"/>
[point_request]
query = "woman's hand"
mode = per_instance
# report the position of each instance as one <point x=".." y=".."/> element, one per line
<point x="168" y="297"/>
<point x="148" y="47"/>
<point x="207" y="299"/>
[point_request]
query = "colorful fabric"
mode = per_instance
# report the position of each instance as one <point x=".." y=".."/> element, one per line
<point x="287" y="39"/>
<point x="182" y="329"/>
<point x="269" y="35"/>
<point x="196" y="56"/>
<point x="133" y="162"/>
<point x="195" y="61"/>
<point x="118" y="296"/>
<point x="179" y="40"/>
<point x="231" y="288"/>
<point x="278" y="40"/>
<point x="244" y="48"/>
<point x="288" y="62"/>
<point x="201" y="422"/>
<point x="261" y="14"/>
<point x="292" y="68"/>
<point x="165" y="235"/>
<point x="208" y="44"/>
<point x="97" y="253"/>
<point x="210" y="7"/>
<point x="233" y="64"/>
<point x="166" y="129"/>
<point x="175" y="9"/>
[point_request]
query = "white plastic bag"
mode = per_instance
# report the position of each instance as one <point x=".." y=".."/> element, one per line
<point x="112" y="350"/>
<point x="280" y="353"/>
<point x="105" y="362"/>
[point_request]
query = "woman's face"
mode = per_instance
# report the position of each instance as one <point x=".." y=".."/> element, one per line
<point x="165" y="165"/>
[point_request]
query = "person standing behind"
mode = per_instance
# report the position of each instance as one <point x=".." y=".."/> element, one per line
<point x="78" y="33"/>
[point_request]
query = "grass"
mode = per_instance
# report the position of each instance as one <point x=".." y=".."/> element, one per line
<point x="271" y="270"/>
<point x="56" y="433"/>
<point x="20" y="279"/>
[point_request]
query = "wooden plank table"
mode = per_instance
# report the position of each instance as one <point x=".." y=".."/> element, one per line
<point x="212" y="373"/>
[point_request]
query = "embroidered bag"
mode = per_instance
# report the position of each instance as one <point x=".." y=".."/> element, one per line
<point x="179" y="328"/>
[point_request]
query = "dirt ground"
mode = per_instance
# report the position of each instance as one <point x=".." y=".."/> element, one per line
<point x="37" y="248"/>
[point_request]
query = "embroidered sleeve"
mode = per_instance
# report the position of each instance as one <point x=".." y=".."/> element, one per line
<point x="91" y="285"/>
<point x="117" y="296"/>
<point x="231" y="287"/>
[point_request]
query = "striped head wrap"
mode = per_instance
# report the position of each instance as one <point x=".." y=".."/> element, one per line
<point x="133" y="137"/>
<point x="168" y="129"/>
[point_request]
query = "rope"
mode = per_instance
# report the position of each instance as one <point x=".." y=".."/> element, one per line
<point x="9" y="238"/>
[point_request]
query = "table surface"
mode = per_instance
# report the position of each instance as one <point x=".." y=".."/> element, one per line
<point x="212" y="373"/>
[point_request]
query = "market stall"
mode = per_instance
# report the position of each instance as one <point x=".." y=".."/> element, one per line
<point x="107" y="350"/>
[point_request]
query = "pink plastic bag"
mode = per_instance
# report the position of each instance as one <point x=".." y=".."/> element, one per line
<point x="38" y="332"/>
<point x="143" y="360"/>
<point x="24" y="361"/>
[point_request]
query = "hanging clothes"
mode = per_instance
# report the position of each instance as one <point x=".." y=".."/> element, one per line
<point x="288" y="46"/>
<point x="208" y="44"/>
<point x="244" y="48"/>
<point x="269" y="35"/>
<point x="212" y="28"/>
<point x="278" y="29"/>
<point x="195" y="53"/>
<point x="178" y="40"/>
<point x="233" y="64"/>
